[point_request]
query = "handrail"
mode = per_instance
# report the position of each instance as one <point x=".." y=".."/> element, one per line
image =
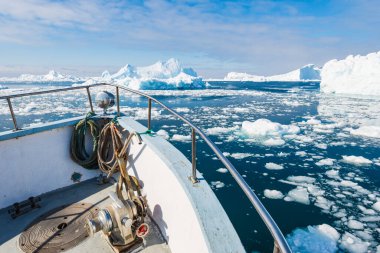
<point x="280" y="244"/>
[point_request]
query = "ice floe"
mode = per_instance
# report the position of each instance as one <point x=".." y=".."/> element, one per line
<point x="273" y="194"/>
<point x="163" y="133"/>
<point x="322" y="238"/>
<point x="367" y="131"/>
<point x="273" y="166"/>
<point x="299" y="194"/>
<point x="356" y="160"/>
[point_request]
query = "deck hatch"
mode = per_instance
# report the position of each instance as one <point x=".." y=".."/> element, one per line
<point x="58" y="230"/>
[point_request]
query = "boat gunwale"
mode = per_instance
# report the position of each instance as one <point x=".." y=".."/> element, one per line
<point x="280" y="243"/>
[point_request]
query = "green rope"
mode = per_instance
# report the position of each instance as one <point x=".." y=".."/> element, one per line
<point x="148" y="132"/>
<point x="78" y="142"/>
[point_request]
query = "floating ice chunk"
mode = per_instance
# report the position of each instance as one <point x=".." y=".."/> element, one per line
<point x="240" y="155"/>
<point x="356" y="160"/>
<point x="273" y="194"/>
<point x="322" y="238"/>
<point x="321" y="145"/>
<point x="222" y="170"/>
<point x="376" y="206"/>
<point x="273" y="166"/>
<point x="327" y="162"/>
<point x="183" y="138"/>
<point x="274" y="142"/>
<point x="347" y="183"/>
<point x="313" y="122"/>
<point x="217" y="184"/>
<point x="300" y="195"/>
<point x="163" y="133"/>
<point x="220" y="130"/>
<point x="323" y="203"/>
<point x="367" y="131"/>
<point x="366" y="211"/>
<point x="354" y="224"/>
<point x="301" y="153"/>
<point x="332" y="173"/>
<point x="301" y="179"/>
<point x="352" y="244"/>
<point x="265" y="127"/>
<point x="353" y="75"/>
<point x="182" y="109"/>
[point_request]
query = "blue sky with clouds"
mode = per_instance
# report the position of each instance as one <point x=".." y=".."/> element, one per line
<point x="259" y="37"/>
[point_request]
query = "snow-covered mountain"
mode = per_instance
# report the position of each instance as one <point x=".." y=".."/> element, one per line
<point x="309" y="72"/>
<point x="52" y="76"/>
<point x="161" y="75"/>
<point x="353" y="75"/>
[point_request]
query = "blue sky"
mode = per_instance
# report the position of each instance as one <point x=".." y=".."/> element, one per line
<point x="85" y="37"/>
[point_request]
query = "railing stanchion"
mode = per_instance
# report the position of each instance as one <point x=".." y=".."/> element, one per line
<point x="149" y="113"/>
<point x="12" y="114"/>
<point x="276" y="249"/>
<point x="118" y="101"/>
<point x="193" y="156"/>
<point x="89" y="99"/>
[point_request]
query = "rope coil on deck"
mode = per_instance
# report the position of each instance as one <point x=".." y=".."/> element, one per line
<point x="78" y="143"/>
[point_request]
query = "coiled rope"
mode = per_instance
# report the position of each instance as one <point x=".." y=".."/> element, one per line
<point x="78" y="142"/>
<point x="110" y="144"/>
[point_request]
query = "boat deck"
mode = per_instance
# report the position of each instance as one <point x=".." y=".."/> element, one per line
<point x="84" y="192"/>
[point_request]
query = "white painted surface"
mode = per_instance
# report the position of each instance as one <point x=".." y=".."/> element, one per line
<point x="190" y="216"/>
<point x="36" y="164"/>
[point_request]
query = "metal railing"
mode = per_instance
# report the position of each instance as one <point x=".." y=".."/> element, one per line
<point x="280" y="244"/>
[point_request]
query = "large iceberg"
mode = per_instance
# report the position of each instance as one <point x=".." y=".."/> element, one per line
<point x="353" y="75"/>
<point x="159" y="76"/>
<point x="52" y="76"/>
<point x="309" y="72"/>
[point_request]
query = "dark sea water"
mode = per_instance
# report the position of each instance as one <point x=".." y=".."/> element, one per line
<point x="336" y="190"/>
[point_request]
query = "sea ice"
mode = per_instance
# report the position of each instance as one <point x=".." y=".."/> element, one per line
<point x="301" y="179"/>
<point x="222" y="170"/>
<point x="163" y="133"/>
<point x="322" y="238"/>
<point x="326" y="161"/>
<point x="376" y="206"/>
<point x="356" y="160"/>
<point x="367" y="131"/>
<point x="183" y="138"/>
<point x="273" y="166"/>
<point x="273" y="194"/>
<point x="352" y="244"/>
<point x="354" y="224"/>
<point x="299" y="194"/>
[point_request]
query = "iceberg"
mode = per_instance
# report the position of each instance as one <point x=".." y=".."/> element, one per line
<point x="353" y="75"/>
<point x="159" y="76"/>
<point x="307" y="73"/>
<point x="52" y="76"/>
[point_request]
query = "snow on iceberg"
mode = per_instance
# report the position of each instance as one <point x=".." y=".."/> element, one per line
<point x="309" y="72"/>
<point x="353" y="75"/>
<point x="52" y="76"/>
<point x="159" y="76"/>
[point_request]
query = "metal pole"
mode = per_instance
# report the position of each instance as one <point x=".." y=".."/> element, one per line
<point x="12" y="114"/>
<point x="118" y="101"/>
<point x="149" y="112"/>
<point x="89" y="98"/>
<point x="193" y="156"/>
